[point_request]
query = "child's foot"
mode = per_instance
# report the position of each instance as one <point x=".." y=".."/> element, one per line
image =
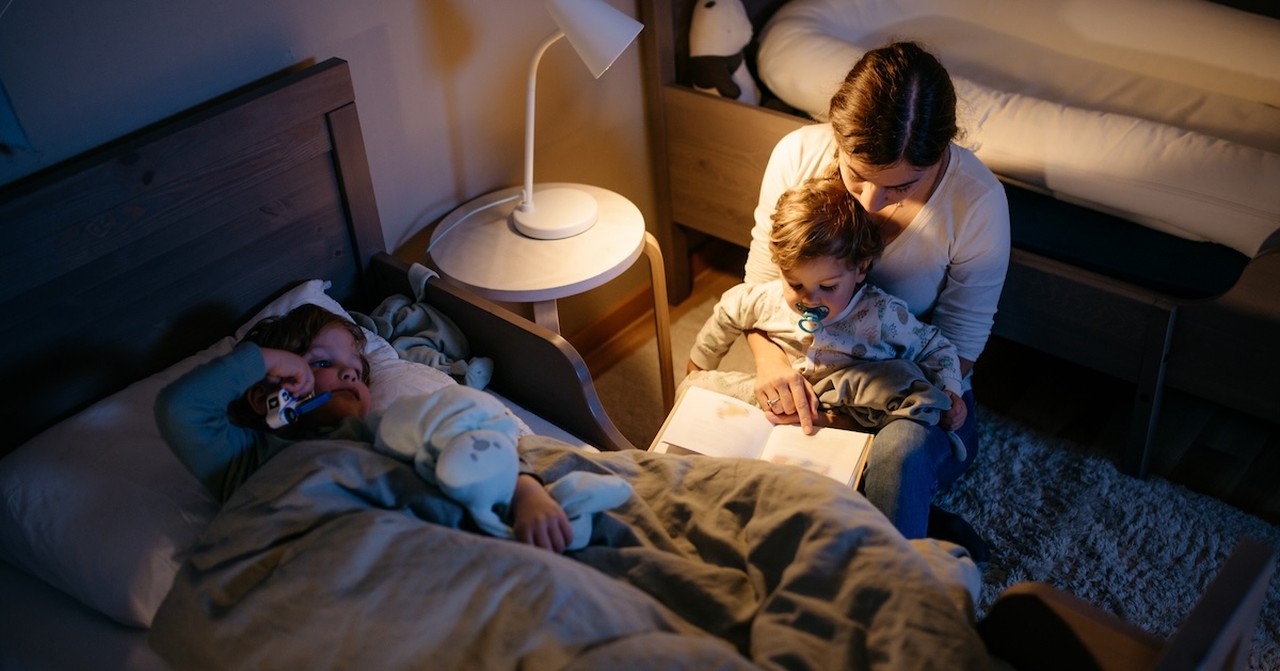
<point x="949" y="526"/>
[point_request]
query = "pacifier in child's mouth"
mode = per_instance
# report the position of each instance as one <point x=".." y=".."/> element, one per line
<point x="811" y="317"/>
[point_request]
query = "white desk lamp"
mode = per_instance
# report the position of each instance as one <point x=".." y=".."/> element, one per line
<point x="599" y="34"/>
<point x="577" y="236"/>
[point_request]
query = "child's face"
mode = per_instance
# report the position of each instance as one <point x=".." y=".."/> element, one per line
<point x="337" y="364"/>
<point x="825" y="281"/>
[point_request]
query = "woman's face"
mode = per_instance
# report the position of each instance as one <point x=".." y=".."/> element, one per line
<point x="878" y="187"/>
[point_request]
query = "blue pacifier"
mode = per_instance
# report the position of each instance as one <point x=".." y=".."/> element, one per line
<point x="811" y="317"/>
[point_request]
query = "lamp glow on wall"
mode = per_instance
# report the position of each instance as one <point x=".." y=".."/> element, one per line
<point x="599" y="34"/>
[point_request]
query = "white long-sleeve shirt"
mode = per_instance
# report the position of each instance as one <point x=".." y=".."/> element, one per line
<point x="950" y="262"/>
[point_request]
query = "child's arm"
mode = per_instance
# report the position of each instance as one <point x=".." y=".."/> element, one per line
<point x="940" y="361"/>
<point x="538" y="519"/>
<point x="728" y="319"/>
<point x="938" y="358"/>
<point x="191" y="413"/>
<point x="925" y="344"/>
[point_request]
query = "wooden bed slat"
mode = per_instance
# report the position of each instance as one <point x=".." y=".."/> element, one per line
<point x="711" y="166"/>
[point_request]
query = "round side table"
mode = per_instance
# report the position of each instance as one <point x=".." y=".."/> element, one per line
<point x="477" y="246"/>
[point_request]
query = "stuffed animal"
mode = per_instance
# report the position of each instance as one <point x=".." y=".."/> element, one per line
<point x="718" y="35"/>
<point x="423" y="334"/>
<point x="465" y="442"/>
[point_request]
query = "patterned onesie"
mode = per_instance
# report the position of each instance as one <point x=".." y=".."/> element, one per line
<point x="874" y="360"/>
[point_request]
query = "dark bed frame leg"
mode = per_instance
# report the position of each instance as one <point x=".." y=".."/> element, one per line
<point x="1136" y="456"/>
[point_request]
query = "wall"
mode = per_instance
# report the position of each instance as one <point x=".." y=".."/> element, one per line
<point x="440" y="86"/>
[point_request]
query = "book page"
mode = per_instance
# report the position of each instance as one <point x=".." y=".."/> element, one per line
<point x="716" y="425"/>
<point x="835" y="453"/>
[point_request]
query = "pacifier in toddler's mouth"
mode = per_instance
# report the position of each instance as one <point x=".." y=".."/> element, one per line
<point x="811" y="317"/>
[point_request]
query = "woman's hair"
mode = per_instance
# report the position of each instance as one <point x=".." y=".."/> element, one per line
<point x="896" y="104"/>
<point x="819" y="218"/>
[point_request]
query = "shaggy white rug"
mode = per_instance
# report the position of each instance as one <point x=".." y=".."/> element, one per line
<point x="1142" y="549"/>
<point x="1052" y="512"/>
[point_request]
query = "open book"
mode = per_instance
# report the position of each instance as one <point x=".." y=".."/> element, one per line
<point x="711" y="423"/>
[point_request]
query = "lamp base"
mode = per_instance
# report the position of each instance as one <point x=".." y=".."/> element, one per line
<point x="560" y="212"/>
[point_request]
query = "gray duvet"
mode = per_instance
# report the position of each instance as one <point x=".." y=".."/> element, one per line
<point x="333" y="556"/>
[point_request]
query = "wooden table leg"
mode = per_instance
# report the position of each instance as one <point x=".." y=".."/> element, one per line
<point x="546" y="315"/>
<point x="661" y="320"/>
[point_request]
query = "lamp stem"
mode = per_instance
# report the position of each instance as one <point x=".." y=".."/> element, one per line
<point x="526" y="204"/>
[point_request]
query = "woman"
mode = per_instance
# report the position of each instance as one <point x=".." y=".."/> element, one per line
<point x="891" y="140"/>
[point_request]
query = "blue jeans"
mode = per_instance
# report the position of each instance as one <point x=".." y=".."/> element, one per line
<point x="910" y="462"/>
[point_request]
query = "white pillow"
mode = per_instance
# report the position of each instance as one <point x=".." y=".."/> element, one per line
<point x="99" y="507"/>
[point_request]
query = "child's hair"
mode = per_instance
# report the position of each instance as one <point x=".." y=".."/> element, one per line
<point x="819" y="218"/>
<point x="292" y="332"/>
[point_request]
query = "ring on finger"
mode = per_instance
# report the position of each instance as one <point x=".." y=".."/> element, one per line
<point x="771" y="401"/>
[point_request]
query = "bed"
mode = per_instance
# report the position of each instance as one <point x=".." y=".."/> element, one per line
<point x="1146" y="243"/>
<point x="130" y="264"/>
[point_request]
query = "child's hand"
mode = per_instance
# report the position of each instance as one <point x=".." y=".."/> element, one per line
<point x="288" y="370"/>
<point x="953" y="419"/>
<point x="539" y="520"/>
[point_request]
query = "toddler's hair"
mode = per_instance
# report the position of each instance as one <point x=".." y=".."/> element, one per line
<point x="819" y="218"/>
<point x="294" y="331"/>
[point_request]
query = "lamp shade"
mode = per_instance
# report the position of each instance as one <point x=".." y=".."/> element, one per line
<point x="597" y="31"/>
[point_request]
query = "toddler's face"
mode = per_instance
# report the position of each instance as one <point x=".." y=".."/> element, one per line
<point x="338" y="366"/>
<point x="824" y="281"/>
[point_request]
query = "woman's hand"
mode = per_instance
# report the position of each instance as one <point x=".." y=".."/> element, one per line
<point x="539" y="520"/>
<point x="783" y="393"/>
<point x="954" y="418"/>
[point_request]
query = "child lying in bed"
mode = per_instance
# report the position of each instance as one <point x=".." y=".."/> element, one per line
<point x="214" y="418"/>
<point x="867" y="359"/>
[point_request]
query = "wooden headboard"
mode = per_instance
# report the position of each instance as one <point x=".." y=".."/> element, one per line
<point x="119" y="262"/>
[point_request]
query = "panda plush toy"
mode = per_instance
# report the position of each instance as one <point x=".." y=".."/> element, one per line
<point x="718" y="34"/>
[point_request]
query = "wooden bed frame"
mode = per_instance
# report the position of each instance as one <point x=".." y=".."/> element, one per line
<point x="121" y="262"/>
<point x="125" y="260"/>
<point x="710" y="154"/>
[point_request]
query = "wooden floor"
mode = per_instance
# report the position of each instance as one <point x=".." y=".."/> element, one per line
<point x="1207" y="448"/>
